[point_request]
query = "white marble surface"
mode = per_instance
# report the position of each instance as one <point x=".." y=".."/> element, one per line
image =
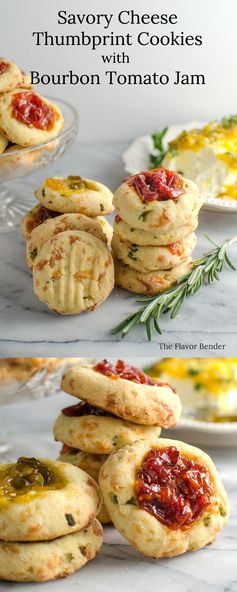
<point x="119" y="567"/>
<point x="29" y="328"/>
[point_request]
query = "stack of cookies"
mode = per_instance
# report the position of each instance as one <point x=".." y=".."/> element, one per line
<point x="48" y="527"/>
<point x="68" y="244"/>
<point x="26" y="119"/>
<point x="157" y="214"/>
<point x="120" y="404"/>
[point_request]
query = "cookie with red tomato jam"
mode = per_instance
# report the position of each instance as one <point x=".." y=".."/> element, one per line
<point x="157" y="199"/>
<point x="166" y="498"/>
<point x="28" y="119"/>
<point x="10" y="75"/>
<point x="96" y="431"/>
<point x="126" y="392"/>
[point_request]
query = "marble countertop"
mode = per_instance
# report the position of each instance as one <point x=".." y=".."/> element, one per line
<point x="118" y="566"/>
<point x="29" y="328"/>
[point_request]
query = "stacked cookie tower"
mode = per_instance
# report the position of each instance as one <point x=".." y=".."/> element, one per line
<point x="68" y="244"/>
<point x="157" y="214"/>
<point x="48" y="527"/>
<point x="120" y="405"/>
<point x="26" y="119"/>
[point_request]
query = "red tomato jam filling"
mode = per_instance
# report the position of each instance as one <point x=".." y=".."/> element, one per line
<point x="122" y="370"/>
<point x="68" y="449"/>
<point x="173" y="488"/>
<point x="29" y="109"/>
<point x="157" y="184"/>
<point x="42" y="215"/>
<point x="3" y="67"/>
<point x="45" y="213"/>
<point x="84" y="409"/>
<point x="176" y="248"/>
<point x="117" y="218"/>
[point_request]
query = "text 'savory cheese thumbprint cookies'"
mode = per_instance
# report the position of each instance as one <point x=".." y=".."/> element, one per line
<point x="124" y="391"/>
<point x="75" y="195"/>
<point x="41" y="500"/>
<point x="164" y="498"/>
<point x="28" y="119"/>
<point x="157" y="199"/>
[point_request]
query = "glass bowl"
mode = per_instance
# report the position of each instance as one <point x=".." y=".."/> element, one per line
<point x="30" y="378"/>
<point x="26" y="161"/>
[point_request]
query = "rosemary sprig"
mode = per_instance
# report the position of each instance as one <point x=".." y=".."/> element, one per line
<point x="208" y="267"/>
<point x="156" y="157"/>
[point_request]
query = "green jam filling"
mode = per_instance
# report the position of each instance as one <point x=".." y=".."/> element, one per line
<point x="76" y="182"/>
<point x="26" y="478"/>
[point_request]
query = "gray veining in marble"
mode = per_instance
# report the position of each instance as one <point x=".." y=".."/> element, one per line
<point x="29" y="328"/>
<point x="119" y="567"/>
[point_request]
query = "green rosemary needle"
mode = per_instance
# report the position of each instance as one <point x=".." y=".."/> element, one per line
<point x="157" y="157"/>
<point x="209" y="266"/>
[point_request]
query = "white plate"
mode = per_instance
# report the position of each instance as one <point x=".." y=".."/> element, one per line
<point x="136" y="159"/>
<point x="203" y="433"/>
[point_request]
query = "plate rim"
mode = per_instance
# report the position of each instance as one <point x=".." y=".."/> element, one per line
<point x="210" y="203"/>
<point x="207" y="426"/>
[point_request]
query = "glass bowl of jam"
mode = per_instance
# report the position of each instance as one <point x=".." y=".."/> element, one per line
<point x="29" y="378"/>
<point x="16" y="163"/>
<point x="22" y="378"/>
